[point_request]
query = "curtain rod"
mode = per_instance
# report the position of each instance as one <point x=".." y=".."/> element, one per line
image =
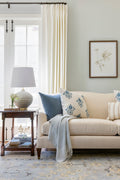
<point x="42" y="3"/>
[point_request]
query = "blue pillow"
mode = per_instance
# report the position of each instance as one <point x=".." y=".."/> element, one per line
<point x="52" y="104"/>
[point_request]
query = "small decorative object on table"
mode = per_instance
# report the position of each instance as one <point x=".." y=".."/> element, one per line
<point x="13" y="97"/>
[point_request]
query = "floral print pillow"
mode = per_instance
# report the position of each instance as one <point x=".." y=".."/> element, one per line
<point x="73" y="103"/>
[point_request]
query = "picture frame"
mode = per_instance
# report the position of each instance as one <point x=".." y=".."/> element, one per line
<point x="103" y="59"/>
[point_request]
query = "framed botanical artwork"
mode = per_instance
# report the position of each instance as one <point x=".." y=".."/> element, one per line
<point x="103" y="59"/>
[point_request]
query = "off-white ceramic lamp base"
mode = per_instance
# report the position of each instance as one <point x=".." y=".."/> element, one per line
<point x="23" y="100"/>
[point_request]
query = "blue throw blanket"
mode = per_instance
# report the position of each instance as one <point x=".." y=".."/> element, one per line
<point x="59" y="136"/>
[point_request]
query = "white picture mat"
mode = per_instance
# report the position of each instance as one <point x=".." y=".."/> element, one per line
<point x="98" y="50"/>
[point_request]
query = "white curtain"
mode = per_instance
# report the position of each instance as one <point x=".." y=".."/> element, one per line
<point x="53" y="48"/>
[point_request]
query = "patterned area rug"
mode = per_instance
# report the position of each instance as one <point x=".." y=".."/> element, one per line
<point x="102" y="166"/>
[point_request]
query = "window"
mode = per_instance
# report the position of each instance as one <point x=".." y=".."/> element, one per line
<point x="1" y="65"/>
<point x="19" y="47"/>
<point x="26" y="48"/>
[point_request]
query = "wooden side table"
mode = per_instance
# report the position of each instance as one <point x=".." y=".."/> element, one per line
<point x="17" y="114"/>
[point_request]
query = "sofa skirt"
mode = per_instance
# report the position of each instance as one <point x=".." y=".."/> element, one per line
<point x="85" y="142"/>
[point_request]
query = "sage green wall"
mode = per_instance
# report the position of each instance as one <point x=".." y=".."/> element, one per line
<point x="90" y="20"/>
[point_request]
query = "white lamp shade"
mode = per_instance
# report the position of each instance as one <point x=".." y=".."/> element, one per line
<point x="23" y="77"/>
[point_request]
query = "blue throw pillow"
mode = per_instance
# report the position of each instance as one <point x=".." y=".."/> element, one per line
<point x="52" y="105"/>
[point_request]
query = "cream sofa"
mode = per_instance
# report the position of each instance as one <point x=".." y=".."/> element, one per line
<point x="95" y="132"/>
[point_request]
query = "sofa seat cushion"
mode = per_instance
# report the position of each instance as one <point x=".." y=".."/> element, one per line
<point x="88" y="126"/>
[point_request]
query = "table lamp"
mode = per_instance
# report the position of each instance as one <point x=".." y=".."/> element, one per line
<point x="23" y="77"/>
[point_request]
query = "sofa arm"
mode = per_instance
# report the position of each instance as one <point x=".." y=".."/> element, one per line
<point x="42" y="118"/>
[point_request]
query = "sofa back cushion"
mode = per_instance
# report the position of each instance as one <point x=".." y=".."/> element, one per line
<point x="97" y="103"/>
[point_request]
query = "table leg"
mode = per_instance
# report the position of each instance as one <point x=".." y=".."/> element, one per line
<point x="12" y="128"/>
<point x="36" y="125"/>
<point x="32" y="134"/>
<point x="3" y="128"/>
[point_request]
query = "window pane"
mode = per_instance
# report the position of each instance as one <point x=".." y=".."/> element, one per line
<point x="32" y="35"/>
<point x="1" y="97"/>
<point x="20" y="35"/>
<point x="1" y="35"/>
<point x="27" y="52"/>
<point x="1" y="65"/>
<point x="20" y="55"/>
<point x="32" y="56"/>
